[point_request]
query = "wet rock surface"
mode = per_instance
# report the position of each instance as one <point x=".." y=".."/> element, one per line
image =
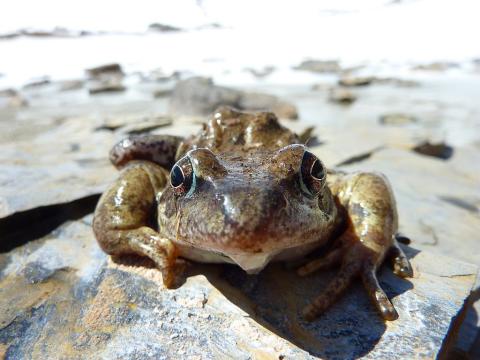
<point x="62" y="297"/>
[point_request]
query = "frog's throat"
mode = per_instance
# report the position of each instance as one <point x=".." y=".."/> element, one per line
<point x="252" y="263"/>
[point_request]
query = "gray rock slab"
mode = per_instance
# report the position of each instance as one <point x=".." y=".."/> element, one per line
<point x="437" y="200"/>
<point x="200" y="96"/>
<point x="62" y="297"/>
<point x="66" y="163"/>
<point x="439" y="208"/>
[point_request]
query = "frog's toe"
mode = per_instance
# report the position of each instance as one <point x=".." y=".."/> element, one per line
<point x="173" y="273"/>
<point x="401" y="264"/>
<point x="378" y="296"/>
<point x="330" y="260"/>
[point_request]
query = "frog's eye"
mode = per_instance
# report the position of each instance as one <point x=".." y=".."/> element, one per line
<point x="313" y="173"/>
<point x="181" y="176"/>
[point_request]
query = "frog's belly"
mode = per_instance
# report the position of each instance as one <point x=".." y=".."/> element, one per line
<point x="251" y="263"/>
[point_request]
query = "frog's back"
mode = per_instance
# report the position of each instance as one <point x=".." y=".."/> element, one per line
<point x="241" y="134"/>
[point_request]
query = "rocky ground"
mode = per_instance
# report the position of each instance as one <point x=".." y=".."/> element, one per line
<point x="61" y="297"/>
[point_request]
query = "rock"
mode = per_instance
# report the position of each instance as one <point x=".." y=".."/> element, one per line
<point x="134" y="124"/>
<point x="106" y="85"/>
<point x="261" y="73"/>
<point x="11" y="98"/>
<point x="397" y="82"/>
<point x="350" y="80"/>
<point x="45" y="33"/>
<point x="397" y="119"/>
<point x="265" y="102"/>
<point x="9" y="92"/>
<point x="35" y="83"/>
<point x="105" y="78"/>
<point x="200" y="96"/>
<point x="209" y="26"/>
<point x="105" y="70"/>
<point x="158" y="75"/>
<point x="440" y="150"/>
<point x="17" y="102"/>
<point x="436" y="66"/>
<point x="44" y="170"/>
<point x="68" y="85"/>
<point x="62" y="297"/>
<point x="319" y="66"/>
<point x="438" y="214"/>
<point x="9" y="36"/>
<point x="161" y="93"/>
<point x="162" y="28"/>
<point x="321" y="87"/>
<point x="342" y="96"/>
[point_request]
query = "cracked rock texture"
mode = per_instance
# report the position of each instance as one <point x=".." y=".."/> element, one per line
<point x="62" y="297"/>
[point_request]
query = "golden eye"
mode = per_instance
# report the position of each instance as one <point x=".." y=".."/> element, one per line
<point x="317" y="170"/>
<point x="313" y="173"/>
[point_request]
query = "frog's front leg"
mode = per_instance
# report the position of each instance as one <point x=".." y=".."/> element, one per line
<point x="369" y="205"/>
<point x="160" y="149"/>
<point x="125" y="217"/>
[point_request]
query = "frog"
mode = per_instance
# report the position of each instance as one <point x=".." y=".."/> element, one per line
<point x="248" y="191"/>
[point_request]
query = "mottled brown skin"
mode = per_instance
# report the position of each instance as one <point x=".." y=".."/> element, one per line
<point x="245" y="190"/>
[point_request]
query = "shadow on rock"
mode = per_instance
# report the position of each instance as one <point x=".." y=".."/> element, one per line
<point x="275" y="299"/>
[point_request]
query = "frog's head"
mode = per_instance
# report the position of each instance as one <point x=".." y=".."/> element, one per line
<point x="249" y="208"/>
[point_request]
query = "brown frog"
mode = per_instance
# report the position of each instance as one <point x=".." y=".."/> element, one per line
<point x="245" y="190"/>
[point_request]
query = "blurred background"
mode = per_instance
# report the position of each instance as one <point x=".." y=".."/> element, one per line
<point x="392" y="86"/>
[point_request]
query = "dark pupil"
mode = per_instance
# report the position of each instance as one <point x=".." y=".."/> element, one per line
<point x="317" y="170"/>
<point x="176" y="176"/>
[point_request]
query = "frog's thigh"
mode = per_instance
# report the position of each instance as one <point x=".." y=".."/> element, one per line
<point x="370" y="236"/>
<point x="125" y="212"/>
<point x="160" y="149"/>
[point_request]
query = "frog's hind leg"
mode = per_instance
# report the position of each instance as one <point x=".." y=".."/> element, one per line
<point x="341" y="281"/>
<point x="332" y="259"/>
<point x="125" y="214"/>
<point x="160" y="149"/>
<point x="369" y="205"/>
